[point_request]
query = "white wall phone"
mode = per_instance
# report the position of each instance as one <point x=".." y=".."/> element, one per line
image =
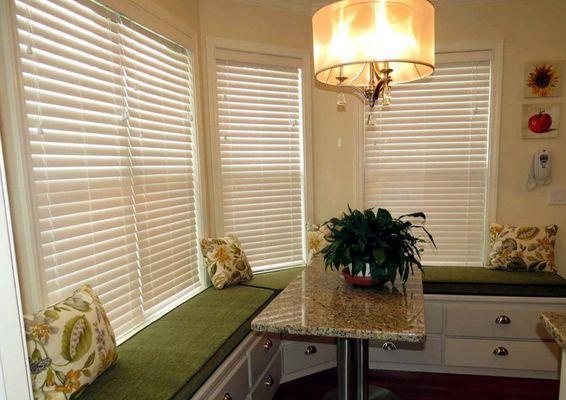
<point x="540" y="172"/>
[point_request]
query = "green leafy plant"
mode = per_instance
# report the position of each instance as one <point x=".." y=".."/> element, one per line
<point x="385" y="243"/>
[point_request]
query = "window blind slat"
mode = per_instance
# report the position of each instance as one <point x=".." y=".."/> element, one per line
<point x="260" y="135"/>
<point x="110" y="115"/>
<point x="428" y="152"/>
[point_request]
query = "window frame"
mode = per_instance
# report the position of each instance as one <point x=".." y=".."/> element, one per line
<point x="458" y="50"/>
<point x="19" y="166"/>
<point x="262" y="54"/>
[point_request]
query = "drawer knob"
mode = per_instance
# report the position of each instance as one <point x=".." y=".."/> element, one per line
<point x="268" y="344"/>
<point x="501" y="351"/>
<point x="227" y="397"/>
<point x="389" y="346"/>
<point x="503" y="320"/>
<point x="310" y="350"/>
<point x="268" y="381"/>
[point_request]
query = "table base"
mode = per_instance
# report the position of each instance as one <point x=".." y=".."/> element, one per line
<point x="353" y="364"/>
<point x="374" y="393"/>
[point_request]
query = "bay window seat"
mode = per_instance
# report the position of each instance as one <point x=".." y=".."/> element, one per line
<point x="175" y="355"/>
<point x="474" y="281"/>
<point x="477" y="281"/>
<point x="277" y="280"/>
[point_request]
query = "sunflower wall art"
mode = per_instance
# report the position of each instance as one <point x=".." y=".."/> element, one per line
<point x="543" y="79"/>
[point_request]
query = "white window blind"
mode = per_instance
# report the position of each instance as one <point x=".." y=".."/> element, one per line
<point x="428" y="152"/>
<point x="111" y="133"/>
<point x="261" y="160"/>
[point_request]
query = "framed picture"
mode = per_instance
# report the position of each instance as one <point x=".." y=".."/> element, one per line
<point x="540" y="120"/>
<point x="543" y="79"/>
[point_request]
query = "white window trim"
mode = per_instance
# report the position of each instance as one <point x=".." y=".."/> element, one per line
<point x="496" y="47"/>
<point x="262" y="52"/>
<point x="26" y="231"/>
<point x="14" y="371"/>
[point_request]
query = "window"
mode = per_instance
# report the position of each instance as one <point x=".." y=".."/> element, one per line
<point x="429" y="151"/>
<point x="111" y="139"/>
<point x="260" y="152"/>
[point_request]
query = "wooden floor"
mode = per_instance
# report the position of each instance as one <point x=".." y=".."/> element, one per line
<point x="428" y="386"/>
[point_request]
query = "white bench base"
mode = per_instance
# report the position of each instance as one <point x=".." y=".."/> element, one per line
<point x="461" y="337"/>
<point x="251" y="372"/>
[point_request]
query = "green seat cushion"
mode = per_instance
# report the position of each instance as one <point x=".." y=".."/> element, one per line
<point x="483" y="281"/>
<point x="173" y="357"/>
<point x="277" y="280"/>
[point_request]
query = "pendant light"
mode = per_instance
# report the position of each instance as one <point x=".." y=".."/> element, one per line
<point x="370" y="45"/>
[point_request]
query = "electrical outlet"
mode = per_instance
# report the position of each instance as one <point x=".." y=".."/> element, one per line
<point x="556" y="195"/>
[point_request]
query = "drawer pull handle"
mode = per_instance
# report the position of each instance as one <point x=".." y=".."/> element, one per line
<point x="268" y="381"/>
<point x="268" y="344"/>
<point x="389" y="346"/>
<point x="501" y="351"/>
<point x="227" y="397"/>
<point x="503" y="320"/>
<point x="310" y="350"/>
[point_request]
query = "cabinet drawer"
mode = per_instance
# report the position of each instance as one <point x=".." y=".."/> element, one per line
<point x="269" y="382"/>
<point x="433" y="318"/>
<point x="298" y="356"/>
<point x="516" y="321"/>
<point x="429" y="353"/>
<point x="261" y="352"/>
<point x="236" y="385"/>
<point x="534" y="356"/>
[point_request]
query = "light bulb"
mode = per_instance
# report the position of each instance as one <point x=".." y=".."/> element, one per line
<point x="341" y="102"/>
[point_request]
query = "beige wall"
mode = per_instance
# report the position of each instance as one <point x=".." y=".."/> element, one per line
<point x="177" y="20"/>
<point x="240" y="21"/>
<point x="529" y="35"/>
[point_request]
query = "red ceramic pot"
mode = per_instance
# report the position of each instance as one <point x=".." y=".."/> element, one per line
<point x="360" y="280"/>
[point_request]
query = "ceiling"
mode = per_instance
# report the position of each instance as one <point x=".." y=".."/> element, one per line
<point x="309" y="6"/>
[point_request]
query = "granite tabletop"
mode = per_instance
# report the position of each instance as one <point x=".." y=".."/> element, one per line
<point x="555" y="324"/>
<point x="321" y="303"/>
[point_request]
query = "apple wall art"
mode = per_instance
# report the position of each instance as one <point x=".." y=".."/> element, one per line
<point x="543" y="79"/>
<point x="540" y="121"/>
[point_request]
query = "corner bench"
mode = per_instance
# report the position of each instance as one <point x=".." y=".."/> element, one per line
<point x="174" y="356"/>
<point x="476" y="281"/>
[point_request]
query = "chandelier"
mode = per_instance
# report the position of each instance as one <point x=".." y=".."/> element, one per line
<point x="370" y="45"/>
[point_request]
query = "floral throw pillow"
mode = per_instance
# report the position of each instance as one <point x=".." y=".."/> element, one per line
<point x="226" y="261"/>
<point x="69" y="344"/>
<point x="316" y="238"/>
<point x="526" y="248"/>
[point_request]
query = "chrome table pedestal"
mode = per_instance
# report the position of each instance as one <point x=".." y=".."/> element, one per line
<point x="353" y="365"/>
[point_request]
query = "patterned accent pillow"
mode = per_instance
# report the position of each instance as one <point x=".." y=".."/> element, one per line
<point x="528" y="248"/>
<point x="69" y="344"/>
<point x="316" y="237"/>
<point x="226" y="261"/>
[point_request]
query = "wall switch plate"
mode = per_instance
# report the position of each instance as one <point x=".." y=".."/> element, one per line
<point x="556" y="195"/>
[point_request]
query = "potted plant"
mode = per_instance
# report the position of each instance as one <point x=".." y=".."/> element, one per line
<point x="371" y="247"/>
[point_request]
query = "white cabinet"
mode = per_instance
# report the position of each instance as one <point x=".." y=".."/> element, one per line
<point x="262" y="351"/>
<point x="252" y="371"/>
<point x="501" y="319"/>
<point x="503" y="354"/>
<point x="267" y="385"/>
<point x="301" y="356"/>
<point x="428" y="353"/>
<point x="235" y="385"/>
<point x="463" y="332"/>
